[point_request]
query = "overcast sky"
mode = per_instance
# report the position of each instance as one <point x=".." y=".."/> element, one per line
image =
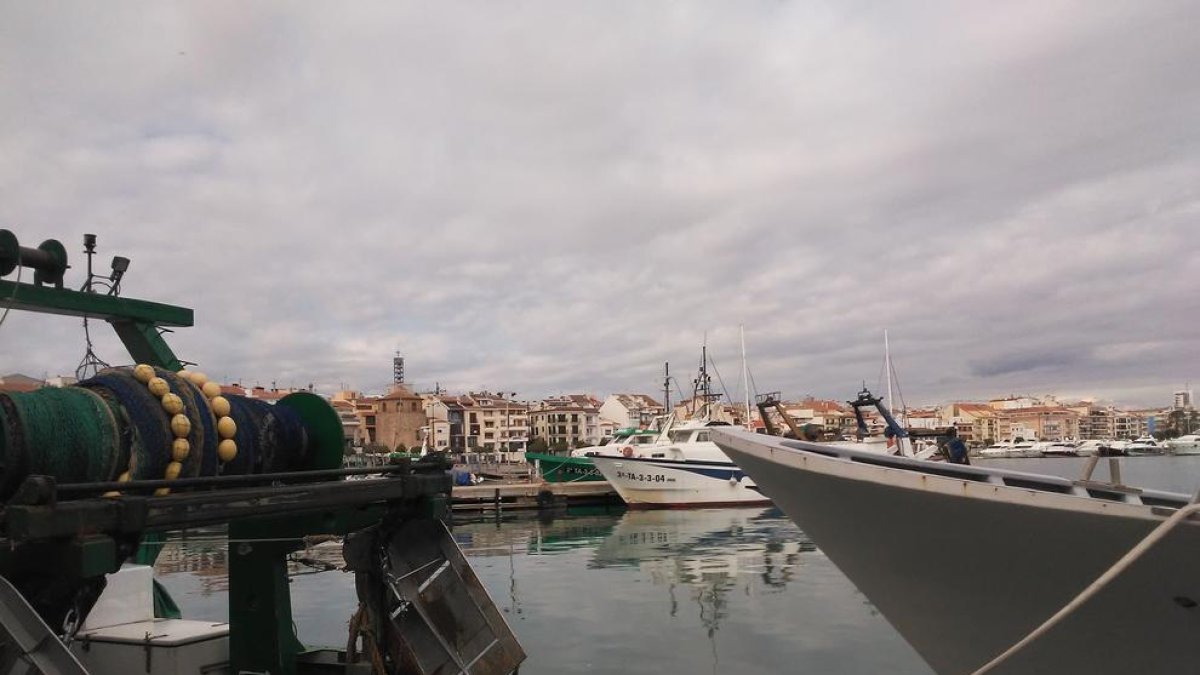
<point x="558" y="197"/>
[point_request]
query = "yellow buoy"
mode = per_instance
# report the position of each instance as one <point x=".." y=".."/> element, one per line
<point x="172" y="403"/>
<point x="226" y="450"/>
<point x="143" y="373"/>
<point x="162" y="492"/>
<point x="220" y="406"/>
<point x="173" y="470"/>
<point x="226" y="427"/>
<point x="211" y="389"/>
<point x="181" y="426"/>
<point x="158" y="386"/>
<point x="198" y="378"/>
<point x="113" y="493"/>
<point x="180" y="449"/>
<point x="124" y="478"/>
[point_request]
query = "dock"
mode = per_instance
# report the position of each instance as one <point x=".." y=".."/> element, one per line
<point x="524" y="496"/>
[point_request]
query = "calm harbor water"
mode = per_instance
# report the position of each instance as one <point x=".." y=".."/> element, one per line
<point x="701" y="591"/>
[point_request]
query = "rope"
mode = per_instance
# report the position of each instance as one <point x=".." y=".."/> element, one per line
<point x="202" y="459"/>
<point x="249" y="418"/>
<point x="286" y="433"/>
<point x="112" y="424"/>
<point x="1133" y="555"/>
<point x="16" y="465"/>
<point x="68" y="433"/>
<point x="150" y="434"/>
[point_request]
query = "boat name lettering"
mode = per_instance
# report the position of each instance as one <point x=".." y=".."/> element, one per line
<point x="645" y="477"/>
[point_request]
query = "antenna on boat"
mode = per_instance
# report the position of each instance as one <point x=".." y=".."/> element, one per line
<point x="666" y="386"/>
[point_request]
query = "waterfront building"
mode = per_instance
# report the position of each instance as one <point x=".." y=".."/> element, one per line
<point x="1044" y="423"/>
<point x="831" y="416"/>
<point x="572" y="420"/>
<point x="494" y="423"/>
<point x="976" y="423"/>
<point x="399" y="417"/>
<point x="631" y="410"/>
<point x="1183" y="400"/>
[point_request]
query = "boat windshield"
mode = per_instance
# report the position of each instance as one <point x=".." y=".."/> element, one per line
<point x="680" y="435"/>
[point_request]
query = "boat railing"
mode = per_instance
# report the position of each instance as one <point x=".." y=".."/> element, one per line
<point x="1112" y="491"/>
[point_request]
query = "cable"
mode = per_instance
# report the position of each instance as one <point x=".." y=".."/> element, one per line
<point x="13" y="297"/>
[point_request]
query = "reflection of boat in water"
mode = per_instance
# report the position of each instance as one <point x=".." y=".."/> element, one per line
<point x="718" y="548"/>
<point x="984" y="568"/>
<point x="567" y="534"/>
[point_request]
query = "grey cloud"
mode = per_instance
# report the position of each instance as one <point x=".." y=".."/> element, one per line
<point x="546" y="198"/>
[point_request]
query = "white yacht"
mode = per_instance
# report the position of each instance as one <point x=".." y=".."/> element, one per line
<point x="1146" y="445"/>
<point x="992" y="571"/>
<point x="1188" y="444"/>
<point x="1017" y="447"/>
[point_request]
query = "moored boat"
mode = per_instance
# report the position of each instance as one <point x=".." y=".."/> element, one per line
<point x="958" y="558"/>
<point x="578" y="466"/>
<point x="684" y="469"/>
<point x="1188" y="444"/>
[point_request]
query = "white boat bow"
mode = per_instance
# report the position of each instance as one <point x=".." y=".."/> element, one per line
<point x="967" y="561"/>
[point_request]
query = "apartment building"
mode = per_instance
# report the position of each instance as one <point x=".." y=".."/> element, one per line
<point x="976" y="423"/>
<point x="573" y="420"/>
<point x="493" y="423"/>
<point x="631" y="410"/>
<point x="1046" y="423"/>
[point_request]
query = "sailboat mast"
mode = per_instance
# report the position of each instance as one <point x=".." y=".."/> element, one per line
<point x="887" y="368"/>
<point x="745" y="376"/>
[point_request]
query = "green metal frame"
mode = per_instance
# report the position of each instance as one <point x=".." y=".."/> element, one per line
<point x="262" y="637"/>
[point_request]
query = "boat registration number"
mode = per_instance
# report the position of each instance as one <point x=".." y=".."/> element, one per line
<point x="645" y="477"/>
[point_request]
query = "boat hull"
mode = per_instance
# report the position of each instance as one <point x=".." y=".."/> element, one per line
<point x="563" y="469"/>
<point x="966" y="567"/>
<point x="660" y="483"/>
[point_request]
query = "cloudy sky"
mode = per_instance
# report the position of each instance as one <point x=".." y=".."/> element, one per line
<point x="546" y="197"/>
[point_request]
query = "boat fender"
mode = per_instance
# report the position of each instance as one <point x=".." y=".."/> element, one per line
<point x="627" y="451"/>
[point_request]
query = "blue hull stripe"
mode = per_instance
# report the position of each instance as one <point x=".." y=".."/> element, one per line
<point x="719" y="470"/>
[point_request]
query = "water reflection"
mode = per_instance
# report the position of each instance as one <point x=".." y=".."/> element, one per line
<point x="739" y="591"/>
<point x="204" y="556"/>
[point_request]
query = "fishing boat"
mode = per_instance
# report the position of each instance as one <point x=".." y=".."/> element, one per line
<point x="986" y="570"/>
<point x="578" y="466"/>
<point x="96" y="473"/>
<point x="683" y="467"/>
